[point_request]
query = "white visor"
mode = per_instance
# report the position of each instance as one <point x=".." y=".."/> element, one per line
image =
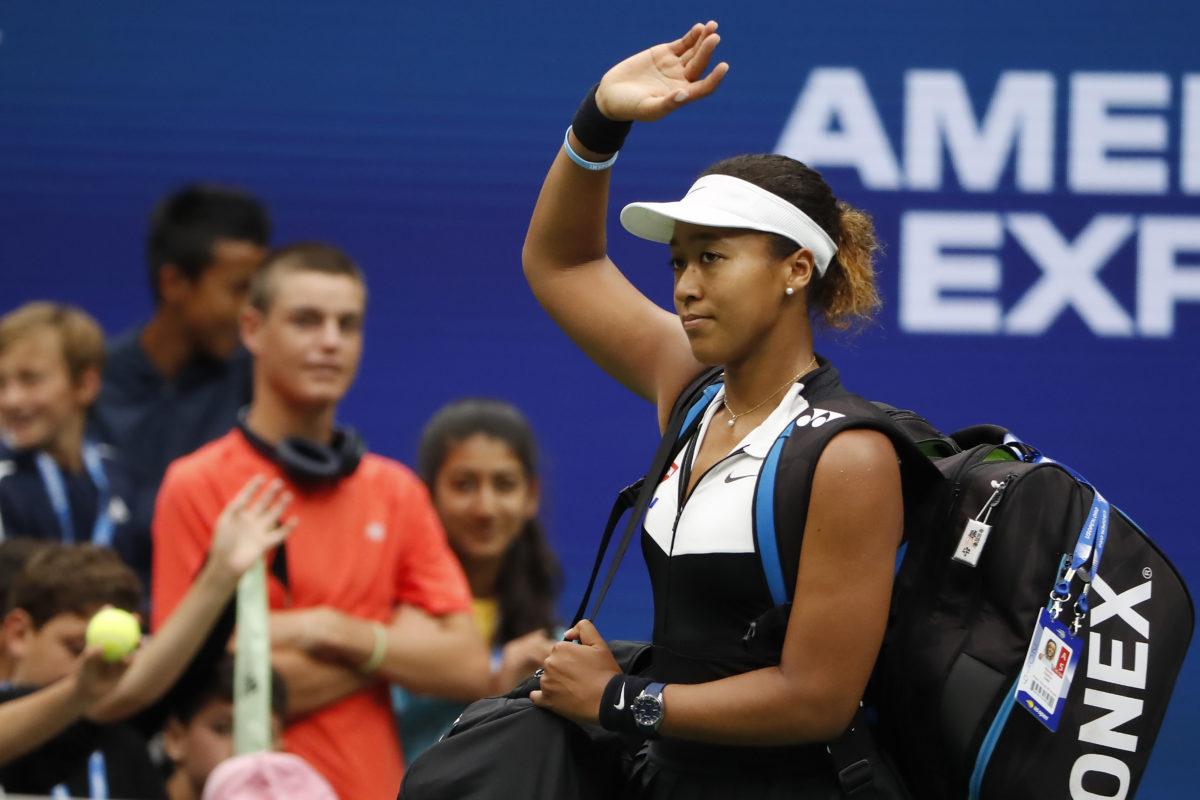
<point x="722" y="201"/>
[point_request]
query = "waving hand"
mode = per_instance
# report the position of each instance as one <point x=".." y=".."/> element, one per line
<point x="653" y="83"/>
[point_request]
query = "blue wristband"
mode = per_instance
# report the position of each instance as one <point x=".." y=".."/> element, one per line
<point x="591" y="166"/>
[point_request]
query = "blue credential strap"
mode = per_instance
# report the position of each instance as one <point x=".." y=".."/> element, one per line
<point x="1093" y="535"/>
<point x="97" y="780"/>
<point x="102" y="532"/>
<point x="98" y="776"/>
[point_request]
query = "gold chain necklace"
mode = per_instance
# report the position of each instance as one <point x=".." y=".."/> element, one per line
<point x="734" y="417"/>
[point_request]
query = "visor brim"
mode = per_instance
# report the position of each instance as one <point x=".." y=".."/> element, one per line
<point x="656" y="221"/>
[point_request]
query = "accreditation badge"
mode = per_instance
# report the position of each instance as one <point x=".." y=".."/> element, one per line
<point x="1054" y="653"/>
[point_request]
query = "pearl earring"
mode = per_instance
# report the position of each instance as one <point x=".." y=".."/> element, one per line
<point x="789" y="291"/>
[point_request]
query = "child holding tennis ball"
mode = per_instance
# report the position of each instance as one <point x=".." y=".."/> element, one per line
<point x="56" y="735"/>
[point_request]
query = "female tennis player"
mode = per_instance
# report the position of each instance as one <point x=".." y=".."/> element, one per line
<point x="761" y="252"/>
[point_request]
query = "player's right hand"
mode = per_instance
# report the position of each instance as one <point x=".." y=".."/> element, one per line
<point x="653" y="83"/>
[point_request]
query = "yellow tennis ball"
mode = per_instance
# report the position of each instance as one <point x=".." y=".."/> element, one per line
<point x="115" y="632"/>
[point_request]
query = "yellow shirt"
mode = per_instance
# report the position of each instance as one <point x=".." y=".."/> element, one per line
<point x="487" y="617"/>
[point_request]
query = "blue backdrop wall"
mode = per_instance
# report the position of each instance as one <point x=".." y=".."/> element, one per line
<point x="1033" y="167"/>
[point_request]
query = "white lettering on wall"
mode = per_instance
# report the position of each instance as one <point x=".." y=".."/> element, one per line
<point x="1162" y="280"/>
<point x="1189" y="136"/>
<point x="834" y="124"/>
<point x="1069" y="274"/>
<point x="933" y="269"/>
<point x="924" y="237"/>
<point x="1117" y="141"/>
<point x="1098" y="133"/>
<point x="1019" y="120"/>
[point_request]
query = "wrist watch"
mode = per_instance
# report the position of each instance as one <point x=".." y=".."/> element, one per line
<point x="647" y="708"/>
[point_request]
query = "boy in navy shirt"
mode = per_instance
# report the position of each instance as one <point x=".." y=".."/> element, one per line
<point x="55" y="484"/>
<point x="178" y="381"/>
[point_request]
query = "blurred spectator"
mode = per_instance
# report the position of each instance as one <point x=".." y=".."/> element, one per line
<point x="53" y="598"/>
<point x="199" y="731"/>
<point x="55" y="484"/>
<point x="179" y="380"/>
<point x="367" y="591"/>
<point x="45" y="744"/>
<point x="14" y="553"/>
<point x="479" y="459"/>
<point x="267" y="776"/>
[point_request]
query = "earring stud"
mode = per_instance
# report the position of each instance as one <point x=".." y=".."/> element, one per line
<point x="789" y="291"/>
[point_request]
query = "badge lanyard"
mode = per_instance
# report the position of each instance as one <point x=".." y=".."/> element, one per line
<point x="1055" y="648"/>
<point x="1089" y="548"/>
<point x="97" y="780"/>
<point x="52" y="479"/>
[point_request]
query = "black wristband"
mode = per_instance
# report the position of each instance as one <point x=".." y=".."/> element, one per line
<point x="595" y="131"/>
<point x="616" y="704"/>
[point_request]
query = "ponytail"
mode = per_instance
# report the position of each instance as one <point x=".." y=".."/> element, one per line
<point x="846" y="296"/>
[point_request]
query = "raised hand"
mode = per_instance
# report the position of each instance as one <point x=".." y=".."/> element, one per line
<point x="655" y="82"/>
<point x="250" y="525"/>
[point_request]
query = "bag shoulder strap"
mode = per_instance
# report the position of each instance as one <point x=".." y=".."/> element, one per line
<point x="780" y="512"/>
<point x="859" y="765"/>
<point x="685" y="416"/>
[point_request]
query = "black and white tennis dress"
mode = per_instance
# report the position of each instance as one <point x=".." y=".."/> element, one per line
<point x="709" y="588"/>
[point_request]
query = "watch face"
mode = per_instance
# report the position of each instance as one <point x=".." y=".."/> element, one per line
<point x="647" y="710"/>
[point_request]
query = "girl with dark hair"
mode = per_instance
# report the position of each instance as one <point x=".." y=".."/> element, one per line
<point x="479" y="459"/>
<point x="760" y="250"/>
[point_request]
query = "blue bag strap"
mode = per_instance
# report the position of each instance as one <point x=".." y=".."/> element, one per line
<point x="764" y="519"/>
<point x="696" y="409"/>
<point x="765" y="526"/>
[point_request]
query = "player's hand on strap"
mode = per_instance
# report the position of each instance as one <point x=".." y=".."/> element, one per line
<point x="575" y="674"/>
<point x="653" y="83"/>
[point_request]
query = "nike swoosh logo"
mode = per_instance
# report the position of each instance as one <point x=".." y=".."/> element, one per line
<point x="620" y="704"/>
<point x="731" y="478"/>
